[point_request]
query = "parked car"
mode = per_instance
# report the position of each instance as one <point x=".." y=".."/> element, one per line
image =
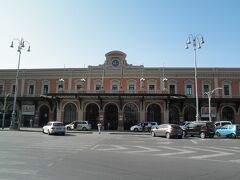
<point x="168" y="131"/>
<point x="79" y="125"/>
<point x="232" y="130"/>
<point x="219" y="124"/>
<point x="84" y="126"/>
<point x="54" y="127"/>
<point x="144" y="126"/>
<point x="199" y="128"/>
<point x="184" y="123"/>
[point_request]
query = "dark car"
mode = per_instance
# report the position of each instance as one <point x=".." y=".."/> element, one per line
<point x="199" y="128"/>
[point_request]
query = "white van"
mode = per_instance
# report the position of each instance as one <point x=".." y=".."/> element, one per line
<point x="219" y="124"/>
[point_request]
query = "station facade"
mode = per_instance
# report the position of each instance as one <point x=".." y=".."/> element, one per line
<point x="120" y="94"/>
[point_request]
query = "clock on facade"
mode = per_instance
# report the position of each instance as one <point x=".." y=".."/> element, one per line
<point x="115" y="62"/>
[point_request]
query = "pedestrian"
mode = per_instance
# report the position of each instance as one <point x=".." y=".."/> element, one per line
<point x="99" y="127"/>
<point x="31" y="122"/>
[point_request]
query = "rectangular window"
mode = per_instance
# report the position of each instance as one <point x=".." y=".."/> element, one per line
<point x="226" y="90"/>
<point x="45" y="89"/>
<point x="172" y="89"/>
<point x="98" y="87"/>
<point x="31" y="90"/>
<point x="205" y="88"/>
<point x="189" y="90"/>
<point x="131" y="88"/>
<point x="151" y="87"/>
<point x="114" y="87"/>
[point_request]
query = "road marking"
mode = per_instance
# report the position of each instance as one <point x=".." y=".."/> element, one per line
<point x="225" y="149"/>
<point x="115" y="148"/>
<point x="235" y="161"/>
<point x="146" y="149"/>
<point x="180" y="151"/>
<point x="164" y="142"/>
<point x="216" y="153"/>
<point x="194" y="142"/>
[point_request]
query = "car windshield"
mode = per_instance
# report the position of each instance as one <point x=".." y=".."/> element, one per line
<point x="57" y="124"/>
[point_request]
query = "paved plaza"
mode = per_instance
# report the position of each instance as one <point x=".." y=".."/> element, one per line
<point x="36" y="156"/>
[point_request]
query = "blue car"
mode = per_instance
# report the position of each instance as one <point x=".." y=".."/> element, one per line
<point x="229" y="131"/>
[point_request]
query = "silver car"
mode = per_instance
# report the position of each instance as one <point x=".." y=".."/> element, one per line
<point x="168" y="131"/>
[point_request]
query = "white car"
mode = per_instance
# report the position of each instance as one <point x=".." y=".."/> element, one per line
<point x="146" y="125"/>
<point x="79" y="125"/>
<point x="54" y="127"/>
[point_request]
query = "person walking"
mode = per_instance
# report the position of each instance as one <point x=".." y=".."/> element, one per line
<point x="99" y="127"/>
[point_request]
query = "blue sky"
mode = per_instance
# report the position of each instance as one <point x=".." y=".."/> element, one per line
<point x="78" y="33"/>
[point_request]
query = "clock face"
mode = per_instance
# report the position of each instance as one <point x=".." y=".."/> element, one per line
<point x="115" y="63"/>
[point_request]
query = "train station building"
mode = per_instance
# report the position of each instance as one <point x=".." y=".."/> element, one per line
<point x="120" y="94"/>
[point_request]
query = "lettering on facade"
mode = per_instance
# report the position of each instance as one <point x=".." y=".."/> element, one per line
<point x="28" y="109"/>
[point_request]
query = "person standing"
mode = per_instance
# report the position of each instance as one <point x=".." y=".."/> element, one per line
<point x="99" y="127"/>
<point x="31" y="122"/>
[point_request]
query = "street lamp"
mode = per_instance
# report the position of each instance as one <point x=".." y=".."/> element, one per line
<point x="61" y="82"/>
<point x="142" y="79"/>
<point x="4" y="110"/>
<point x="209" y="94"/>
<point x="21" y="45"/>
<point x="196" y="45"/>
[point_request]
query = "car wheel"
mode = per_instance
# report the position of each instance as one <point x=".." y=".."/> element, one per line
<point x="180" y="137"/>
<point x="218" y="134"/>
<point x="68" y="128"/>
<point x="136" y="129"/>
<point x="84" y="128"/>
<point x="153" y="134"/>
<point x="168" y="135"/>
<point x="202" y="135"/>
<point x="233" y="135"/>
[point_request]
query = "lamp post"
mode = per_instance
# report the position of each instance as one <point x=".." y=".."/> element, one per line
<point x="4" y="110"/>
<point x="21" y="45"/>
<point x="142" y="79"/>
<point x="209" y="94"/>
<point x="61" y="84"/>
<point x="194" y="39"/>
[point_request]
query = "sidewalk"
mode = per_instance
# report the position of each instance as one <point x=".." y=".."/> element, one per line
<point x="28" y="129"/>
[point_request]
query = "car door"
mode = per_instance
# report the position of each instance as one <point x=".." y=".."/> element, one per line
<point x="191" y="128"/>
<point x="224" y="130"/>
<point x="163" y="130"/>
<point x="159" y="130"/>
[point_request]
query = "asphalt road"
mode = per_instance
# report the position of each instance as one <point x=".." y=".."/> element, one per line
<point x="105" y="156"/>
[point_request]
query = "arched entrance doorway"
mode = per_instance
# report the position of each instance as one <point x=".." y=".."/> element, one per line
<point x="92" y="113"/>
<point x="189" y="113"/>
<point x="111" y="117"/>
<point x="130" y="116"/>
<point x="228" y="114"/>
<point x="70" y="113"/>
<point x="154" y="113"/>
<point x="43" y="116"/>
<point x="174" y="115"/>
